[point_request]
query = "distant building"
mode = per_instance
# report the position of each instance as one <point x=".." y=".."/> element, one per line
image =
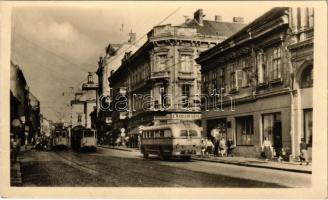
<point x="262" y="76"/>
<point x="106" y="66"/>
<point x="84" y="103"/>
<point x="163" y="73"/>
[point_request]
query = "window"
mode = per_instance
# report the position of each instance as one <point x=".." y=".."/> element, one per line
<point x="221" y="81"/>
<point x="261" y="68"/>
<point x="79" y="118"/>
<point x="308" y="124"/>
<point x="232" y="76"/>
<point x="276" y="68"/>
<point x="245" y="79"/>
<point x="163" y="95"/>
<point x="185" y="94"/>
<point x="160" y="63"/>
<point x="186" y="63"/>
<point x="307" y="78"/>
<point x="244" y="130"/>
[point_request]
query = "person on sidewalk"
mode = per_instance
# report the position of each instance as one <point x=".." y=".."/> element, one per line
<point x="216" y="147"/>
<point x="267" y="149"/>
<point x="222" y="146"/>
<point x="230" y="147"/>
<point x="203" y="147"/>
<point x="304" y="153"/>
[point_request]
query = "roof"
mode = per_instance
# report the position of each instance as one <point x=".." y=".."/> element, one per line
<point x="223" y="29"/>
<point x="260" y="21"/>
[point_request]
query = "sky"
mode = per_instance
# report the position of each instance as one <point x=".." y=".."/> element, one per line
<point x="56" y="46"/>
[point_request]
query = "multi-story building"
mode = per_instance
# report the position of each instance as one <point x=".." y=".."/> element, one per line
<point x="84" y="104"/>
<point x="261" y="78"/>
<point x="106" y="66"/>
<point x="24" y="106"/>
<point x="160" y="82"/>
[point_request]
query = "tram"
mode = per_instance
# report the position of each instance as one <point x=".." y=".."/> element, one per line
<point x="60" y="139"/>
<point x="171" y="140"/>
<point x="83" y="138"/>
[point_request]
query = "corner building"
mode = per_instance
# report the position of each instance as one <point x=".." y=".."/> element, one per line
<point x="164" y="73"/>
<point x="256" y="74"/>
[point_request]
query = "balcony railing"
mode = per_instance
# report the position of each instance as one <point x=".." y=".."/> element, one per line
<point x="187" y="75"/>
<point x="160" y="74"/>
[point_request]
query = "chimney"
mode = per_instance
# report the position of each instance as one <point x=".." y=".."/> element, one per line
<point x="198" y="16"/>
<point x="238" y="19"/>
<point x="133" y="37"/>
<point x="218" y="18"/>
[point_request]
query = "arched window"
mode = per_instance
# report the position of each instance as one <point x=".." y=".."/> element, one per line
<point x="307" y="77"/>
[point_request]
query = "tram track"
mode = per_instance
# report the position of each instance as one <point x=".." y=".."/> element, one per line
<point x="70" y="157"/>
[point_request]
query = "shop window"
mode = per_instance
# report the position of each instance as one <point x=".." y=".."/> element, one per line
<point x="307" y="78"/>
<point x="308" y="123"/>
<point x="244" y="130"/>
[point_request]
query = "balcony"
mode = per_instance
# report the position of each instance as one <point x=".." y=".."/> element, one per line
<point x="187" y="75"/>
<point x="160" y="75"/>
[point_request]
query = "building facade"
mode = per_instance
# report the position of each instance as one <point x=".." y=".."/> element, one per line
<point x="84" y="104"/>
<point x="24" y="106"/>
<point x="160" y="82"/>
<point x="252" y="77"/>
<point x="106" y="66"/>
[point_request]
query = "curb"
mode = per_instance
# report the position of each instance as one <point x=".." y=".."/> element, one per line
<point x="116" y="148"/>
<point x="252" y="165"/>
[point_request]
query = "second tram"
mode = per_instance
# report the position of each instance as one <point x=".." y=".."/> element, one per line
<point x="83" y="138"/>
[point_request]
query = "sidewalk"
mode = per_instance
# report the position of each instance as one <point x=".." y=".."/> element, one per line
<point x="259" y="163"/>
<point x="15" y="168"/>
<point x="242" y="161"/>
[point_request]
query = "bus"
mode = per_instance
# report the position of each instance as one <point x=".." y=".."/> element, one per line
<point x="171" y="140"/>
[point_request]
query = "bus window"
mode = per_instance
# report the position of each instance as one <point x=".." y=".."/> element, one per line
<point x="167" y="133"/>
<point x="191" y="133"/>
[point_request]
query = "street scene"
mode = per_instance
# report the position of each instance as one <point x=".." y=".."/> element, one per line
<point x="182" y="96"/>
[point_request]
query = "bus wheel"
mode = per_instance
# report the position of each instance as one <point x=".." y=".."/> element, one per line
<point x="145" y="155"/>
<point x="186" y="158"/>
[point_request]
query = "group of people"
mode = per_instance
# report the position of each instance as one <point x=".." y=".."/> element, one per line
<point x="268" y="152"/>
<point x="218" y="147"/>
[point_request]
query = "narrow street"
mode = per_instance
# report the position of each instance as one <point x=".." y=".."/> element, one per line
<point x="112" y="168"/>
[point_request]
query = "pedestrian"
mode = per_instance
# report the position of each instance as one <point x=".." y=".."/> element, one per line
<point x="230" y="146"/>
<point x="304" y="153"/>
<point x="203" y="147"/>
<point x="216" y="147"/>
<point x="267" y="148"/>
<point x="222" y="146"/>
<point x="209" y="147"/>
